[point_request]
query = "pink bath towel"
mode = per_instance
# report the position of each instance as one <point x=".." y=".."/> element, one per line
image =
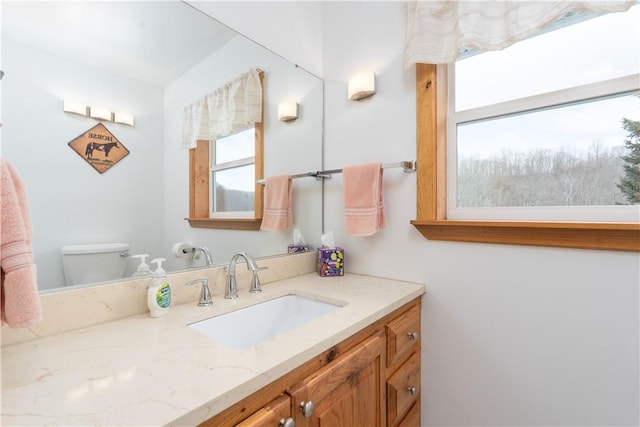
<point x="363" y="205"/>
<point x="19" y="299"/>
<point x="277" y="204"/>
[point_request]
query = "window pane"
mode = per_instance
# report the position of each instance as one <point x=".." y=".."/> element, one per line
<point x="234" y="147"/>
<point x="597" y="49"/>
<point x="233" y="189"/>
<point x="568" y="156"/>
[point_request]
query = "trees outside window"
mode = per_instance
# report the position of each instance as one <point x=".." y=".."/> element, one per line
<point x="629" y="184"/>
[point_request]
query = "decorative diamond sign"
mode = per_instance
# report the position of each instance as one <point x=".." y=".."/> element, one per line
<point x="99" y="148"/>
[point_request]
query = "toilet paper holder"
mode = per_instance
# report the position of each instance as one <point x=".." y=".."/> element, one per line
<point x="182" y="250"/>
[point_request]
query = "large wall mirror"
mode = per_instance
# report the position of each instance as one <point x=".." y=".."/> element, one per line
<point x="148" y="59"/>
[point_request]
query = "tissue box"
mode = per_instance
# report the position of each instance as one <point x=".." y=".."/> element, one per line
<point x="330" y="262"/>
<point x="294" y="249"/>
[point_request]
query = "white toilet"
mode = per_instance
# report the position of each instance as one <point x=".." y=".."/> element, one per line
<point x="94" y="263"/>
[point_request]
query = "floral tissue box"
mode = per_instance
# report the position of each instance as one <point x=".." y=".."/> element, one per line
<point x="330" y="262"/>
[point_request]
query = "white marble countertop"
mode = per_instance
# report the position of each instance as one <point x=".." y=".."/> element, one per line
<point x="145" y="371"/>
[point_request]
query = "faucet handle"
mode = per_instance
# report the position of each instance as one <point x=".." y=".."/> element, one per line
<point x="205" y="294"/>
<point x="255" y="281"/>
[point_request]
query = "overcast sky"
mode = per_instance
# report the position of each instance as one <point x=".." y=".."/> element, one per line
<point x="597" y="49"/>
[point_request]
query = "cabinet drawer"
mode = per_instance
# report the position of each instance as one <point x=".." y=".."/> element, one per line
<point x="403" y="336"/>
<point x="271" y="414"/>
<point x="413" y="417"/>
<point x="403" y="389"/>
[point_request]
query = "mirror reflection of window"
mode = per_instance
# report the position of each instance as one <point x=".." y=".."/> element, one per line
<point x="232" y="171"/>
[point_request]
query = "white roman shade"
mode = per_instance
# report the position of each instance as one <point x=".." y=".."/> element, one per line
<point x="231" y="108"/>
<point x="195" y="123"/>
<point x="438" y="30"/>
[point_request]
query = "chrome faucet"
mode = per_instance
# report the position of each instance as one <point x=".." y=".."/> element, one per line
<point x="205" y="294"/>
<point x="205" y="251"/>
<point x="231" y="290"/>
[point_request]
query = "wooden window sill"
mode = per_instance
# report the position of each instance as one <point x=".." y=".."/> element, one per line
<point x="605" y="236"/>
<point x="226" y="223"/>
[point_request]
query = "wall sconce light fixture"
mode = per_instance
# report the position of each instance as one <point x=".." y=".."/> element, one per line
<point x="361" y="86"/>
<point x="287" y="111"/>
<point x="74" y="107"/>
<point x="100" y="113"/>
<point x="97" y="113"/>
<point x="124" y="118"/>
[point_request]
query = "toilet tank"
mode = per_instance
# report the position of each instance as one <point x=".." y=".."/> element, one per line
<point x="93" y="263"/>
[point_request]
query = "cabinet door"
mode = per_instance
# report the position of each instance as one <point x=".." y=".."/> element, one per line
<point x="270" y="415"/>
<point x="348" y="392"/>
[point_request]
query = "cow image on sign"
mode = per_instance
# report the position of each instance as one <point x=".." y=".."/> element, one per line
<point x="99" y="148"/>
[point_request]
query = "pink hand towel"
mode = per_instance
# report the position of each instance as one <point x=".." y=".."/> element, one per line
<point x="277" y="204"/>
<point x="363" y="205"/>
<point x="19" y="299"/>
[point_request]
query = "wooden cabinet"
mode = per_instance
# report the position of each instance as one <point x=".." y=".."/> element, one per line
<point x="370" y="379"/>
<point x="348" y="392"/>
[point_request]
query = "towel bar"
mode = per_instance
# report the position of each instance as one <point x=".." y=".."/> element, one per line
<point x="408" y="166"/>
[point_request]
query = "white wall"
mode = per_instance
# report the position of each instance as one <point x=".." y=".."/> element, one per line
<point x="513" y="335"/>
<point x="70" y="202"/>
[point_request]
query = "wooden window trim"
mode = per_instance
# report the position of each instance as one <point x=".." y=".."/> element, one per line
<point x="199" y="186"/>
<point x="431" y="220"/>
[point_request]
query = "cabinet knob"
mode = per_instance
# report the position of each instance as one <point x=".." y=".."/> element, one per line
<point x="289" y="422"/>
<point x="307" y="408"/>
<point x="412" y="390"/>
<point x="412" y="335"/>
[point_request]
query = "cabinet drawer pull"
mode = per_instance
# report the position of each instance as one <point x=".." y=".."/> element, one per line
<point x="412" y="390"/>
<point x="412" y="335"/>
<point x="307" y="408"/>
<point x="289" y="422"/>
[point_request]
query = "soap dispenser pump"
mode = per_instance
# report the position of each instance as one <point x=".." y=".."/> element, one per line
<point x="159" y="294"/>
<point x="143" y="268"/>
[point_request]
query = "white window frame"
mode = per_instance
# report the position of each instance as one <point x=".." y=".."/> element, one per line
<point x="218" y="167"/>
<point x="586" y="93"/>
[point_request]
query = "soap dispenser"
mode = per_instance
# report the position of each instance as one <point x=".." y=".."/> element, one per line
<point x="159" y="294"/>
<point x="143" y="268"/>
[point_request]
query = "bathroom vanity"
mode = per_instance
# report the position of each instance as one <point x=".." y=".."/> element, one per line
<point x="373" y="376"/>
<point x="363" y="359"/>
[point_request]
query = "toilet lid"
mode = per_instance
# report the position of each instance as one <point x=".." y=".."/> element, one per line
<point x="94" y="248"/>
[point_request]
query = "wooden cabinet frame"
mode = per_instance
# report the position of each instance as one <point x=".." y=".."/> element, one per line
<point x="432" y="222"/>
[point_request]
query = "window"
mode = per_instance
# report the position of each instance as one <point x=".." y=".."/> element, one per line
<point x="202" y="213"/>
<point x="232" y="183"/>
<point x="223" y="175"/>
<point x="525" y="145"/>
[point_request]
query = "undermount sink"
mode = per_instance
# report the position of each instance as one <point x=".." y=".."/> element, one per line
<point x="252" y="325"/>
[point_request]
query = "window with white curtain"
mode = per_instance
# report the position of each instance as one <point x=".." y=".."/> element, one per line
<point x="537" y="131"/>
<point x="224" y="134"/>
